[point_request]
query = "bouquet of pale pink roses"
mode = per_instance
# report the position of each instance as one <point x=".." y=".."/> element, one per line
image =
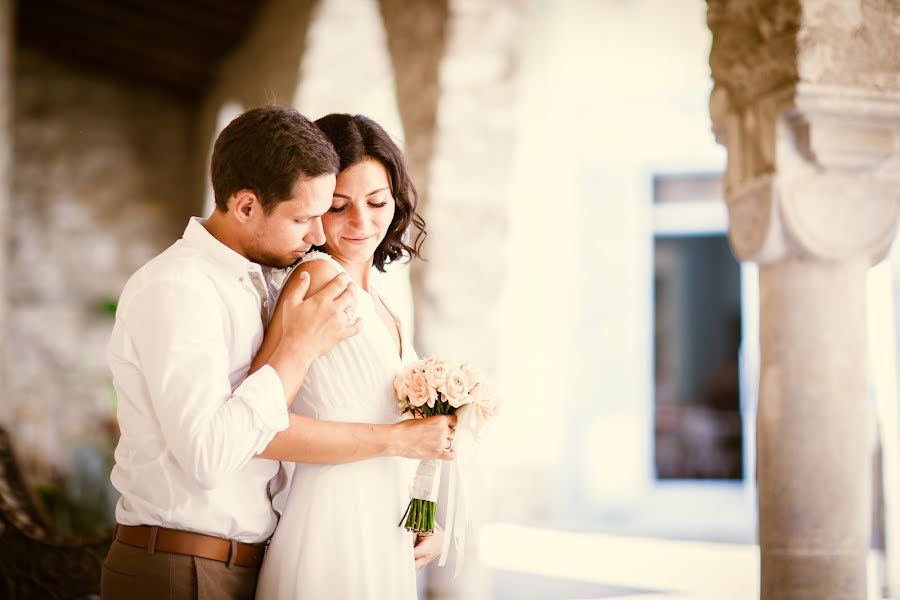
<point x="436" y="386"/>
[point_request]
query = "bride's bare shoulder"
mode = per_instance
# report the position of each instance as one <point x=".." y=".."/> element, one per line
<point x="320" y="273"/>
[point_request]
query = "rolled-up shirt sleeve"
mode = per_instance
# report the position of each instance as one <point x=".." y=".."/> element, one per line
<point x="178" y="332"/>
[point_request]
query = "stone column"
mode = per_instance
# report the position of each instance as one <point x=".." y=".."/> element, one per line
<point x="813" y="430"/>
<point x="467" y="194"/>
<point x="806" y="101"/>
<point x="456" y="66"/>
<point x="6" y="49"/>
<point x="416" y="35"/>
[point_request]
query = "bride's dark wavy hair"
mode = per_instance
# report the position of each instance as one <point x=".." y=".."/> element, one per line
<point x="356" y="137"/>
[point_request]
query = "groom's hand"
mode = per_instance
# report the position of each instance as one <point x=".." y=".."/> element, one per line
<point x="425" y="438"/>
<point x="320" y="320"/>
<point x="427" y="547"/>
<point x="312" y="315"/>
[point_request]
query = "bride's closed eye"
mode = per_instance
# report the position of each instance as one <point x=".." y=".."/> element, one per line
<point x="339" y="209"/>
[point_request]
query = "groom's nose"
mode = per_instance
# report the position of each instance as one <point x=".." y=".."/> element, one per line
<point x="316" y="235"/>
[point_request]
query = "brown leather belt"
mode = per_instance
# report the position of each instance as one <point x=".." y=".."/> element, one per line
<point x="192" y="544"/>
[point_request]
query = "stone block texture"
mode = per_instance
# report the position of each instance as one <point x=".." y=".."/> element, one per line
<point x="100" y="184"/>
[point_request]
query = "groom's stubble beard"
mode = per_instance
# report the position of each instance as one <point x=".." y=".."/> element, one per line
<point x="266" y="257"/>
<point x="273" y="261"/>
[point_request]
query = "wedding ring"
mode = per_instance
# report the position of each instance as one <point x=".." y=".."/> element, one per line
<point x="449" y="444"/>
<point x="349" y="316"/>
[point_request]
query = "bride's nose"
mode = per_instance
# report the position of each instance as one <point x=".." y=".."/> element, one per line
<point x="356" y="217"/>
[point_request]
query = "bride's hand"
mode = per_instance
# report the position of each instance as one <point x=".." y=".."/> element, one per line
<point x="430" y="437"/>
<point x="427" y="547"/>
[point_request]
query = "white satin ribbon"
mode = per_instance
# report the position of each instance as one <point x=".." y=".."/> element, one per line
<point x="427" y="480"/>
<point x="465" y="482"/>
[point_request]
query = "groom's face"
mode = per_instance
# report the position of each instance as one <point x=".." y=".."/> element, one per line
<point x="283" y="236"/>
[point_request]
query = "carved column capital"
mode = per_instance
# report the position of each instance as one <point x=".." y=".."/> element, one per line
<point x="754" y="47"/>
<point x="807" y="101"/>
<point x="813" y="171"/>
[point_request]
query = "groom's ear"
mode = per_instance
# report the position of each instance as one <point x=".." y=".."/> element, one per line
<point x="244" y="204"/>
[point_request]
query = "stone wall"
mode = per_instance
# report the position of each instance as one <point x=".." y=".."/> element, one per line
<point x="101" y="184"/>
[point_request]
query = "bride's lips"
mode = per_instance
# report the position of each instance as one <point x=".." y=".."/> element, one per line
<point x="357" y="240"/>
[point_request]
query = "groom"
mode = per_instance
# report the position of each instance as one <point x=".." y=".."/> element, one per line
<point x="201" y="439"/>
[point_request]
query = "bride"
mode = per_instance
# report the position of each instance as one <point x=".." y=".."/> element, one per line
<point x="338" y="537"/>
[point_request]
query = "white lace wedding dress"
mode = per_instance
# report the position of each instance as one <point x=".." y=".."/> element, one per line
<point x="338" y="536"/>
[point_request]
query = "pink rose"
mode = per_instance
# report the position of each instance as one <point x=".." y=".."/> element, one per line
<point x="456" y="388"/>
<point x="401" y="385"/>
<point x="436" y="373"/>
<point x="420" y="392"/>
<point x="484" y="401"/>
<point x="477" y="393"/>
<point x="472" y="374"/>
<point x="402" y="379"/>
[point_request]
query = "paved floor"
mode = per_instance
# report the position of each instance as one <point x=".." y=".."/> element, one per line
<point x="685" y="543"/>
<point x="534" y="563"/>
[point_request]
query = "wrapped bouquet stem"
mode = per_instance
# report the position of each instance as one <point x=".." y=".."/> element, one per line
<point x="435" y="386"/>
<point x="419" y="515"/>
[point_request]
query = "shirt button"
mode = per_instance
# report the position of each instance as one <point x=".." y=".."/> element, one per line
<point x="241" y="279"/>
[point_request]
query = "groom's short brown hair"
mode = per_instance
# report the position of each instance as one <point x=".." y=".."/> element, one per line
<point x="266" y="150"/>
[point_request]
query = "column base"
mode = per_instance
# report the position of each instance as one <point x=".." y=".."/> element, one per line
<point x="797" y="576"/>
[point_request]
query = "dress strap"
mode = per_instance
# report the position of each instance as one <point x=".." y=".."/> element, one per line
<point x="319" y="255"/>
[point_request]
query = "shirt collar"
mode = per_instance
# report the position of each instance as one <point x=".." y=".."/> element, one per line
<point x="196" y="235"/>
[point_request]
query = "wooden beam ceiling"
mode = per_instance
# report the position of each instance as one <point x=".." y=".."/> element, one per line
<point x="176" y="45"/>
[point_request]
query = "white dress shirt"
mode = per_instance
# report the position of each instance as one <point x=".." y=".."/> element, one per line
<point x="187" y="327"/>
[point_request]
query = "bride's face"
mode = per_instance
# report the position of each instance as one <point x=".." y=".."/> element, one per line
<point x="361" y="211"/>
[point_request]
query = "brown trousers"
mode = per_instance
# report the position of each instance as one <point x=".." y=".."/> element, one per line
<point x="130" y="573"/>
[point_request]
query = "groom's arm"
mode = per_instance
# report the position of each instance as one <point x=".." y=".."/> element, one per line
<point x="172" y="341"/>
<point x="310" y="440"/>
